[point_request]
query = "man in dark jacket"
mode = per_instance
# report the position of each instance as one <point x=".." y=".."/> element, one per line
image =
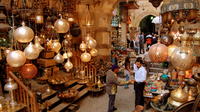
<point x="111" y="86"/>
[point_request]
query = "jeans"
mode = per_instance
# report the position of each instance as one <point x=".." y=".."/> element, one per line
<point x="127" y="78"/>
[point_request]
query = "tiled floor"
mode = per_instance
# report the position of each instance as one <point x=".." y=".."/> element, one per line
<point x="124" y="101"/>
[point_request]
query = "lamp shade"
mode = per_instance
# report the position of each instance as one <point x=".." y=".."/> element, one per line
<point x="55" y="46"/>
<point x="61" y="25"/>
<point x="10" y="85"/>
<point x="28" y="71"/>
<point x="182" y="58"/>
<point x="68" y="65"/>
<point x="31" y="51"/>
<point x="158" y="53"/>
<point x="16" y="58"/>
<point x="83" y="46"/>
<point x="59" y="58"/>
<point x="23" y="34"/>
<point x="85" y="57"/>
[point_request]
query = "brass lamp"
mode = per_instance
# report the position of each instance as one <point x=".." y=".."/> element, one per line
<point x="10" y="86"/>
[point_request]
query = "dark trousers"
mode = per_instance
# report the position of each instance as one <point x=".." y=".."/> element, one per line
<point x="111" y="103"/>
<point x="139" y="94"/>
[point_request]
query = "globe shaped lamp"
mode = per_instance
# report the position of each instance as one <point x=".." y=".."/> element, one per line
<point x="182" y="58"/>
<point x="68" y="65"/>
<point x="61" y="25"/>
<point x="28" y="71"/>
<point x="94" y="52"/>
<point x="158" y="53"/>
<point x="83" y="46"/>
<point x="23" y="34"/>
<point x="85" y="57"/>
<point x="16" y="58"/>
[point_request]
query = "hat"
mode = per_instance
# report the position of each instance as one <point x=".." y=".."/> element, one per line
<point x="114" y="67"/>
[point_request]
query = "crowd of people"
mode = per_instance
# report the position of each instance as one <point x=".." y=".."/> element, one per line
<point x="138" y="42"/>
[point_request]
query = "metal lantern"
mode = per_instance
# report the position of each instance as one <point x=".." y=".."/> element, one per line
<point x="23" y="34"/>
<point x="182" y="58"/>
<point x="94" y="52"/>
<point x="83" y="46"/>
<point x="68" y="65"/>
<point x="59" y="58"/>
<point x="91" y="43"/>
<point x="167" y="39"/>
<point x="10" y="86"/>
<point x="69" y="54"/>
<point x="31" y="52"/>
<point x="16" y="58"/>
<point x="61" y="25"/>
<point x="179" y="95"/>
<point x="158" y="53"/>
<point x="65" y="56"/>
<point x="28" y="71"/>
<point x="85" y="57"/>
<point x="55" y="46"/>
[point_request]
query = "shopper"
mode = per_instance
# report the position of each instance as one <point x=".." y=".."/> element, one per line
<point x="149" y="41"/>
<point x="140" y="78"/>
<point x="141" y="42"/>
<point x="111" y="86"/>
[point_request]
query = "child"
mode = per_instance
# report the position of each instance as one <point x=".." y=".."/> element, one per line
<point x="127" y="73"/>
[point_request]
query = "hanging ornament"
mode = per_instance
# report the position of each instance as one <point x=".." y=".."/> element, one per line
<point x="31" y="52"/>
<point x="61" y="25"/>
<point x="91" y="43"/>
<point x="65" y="56"/>
<point x="28" y="71"/>
<point x="68" y="36"/>
<point x="39" y="47"/>
<point x="68" y="65"/>
<point x="16" y="58"/>
<point x="69" y="54"/>
<point x="59" y="58"/>
<point x="167" y="39"/>
<point x="85" y="57"/>
<point x="171" y="49"/>
<point x="23" y="34"/>
<point x="182" y="58"/>
<point x="56" y="46"/>
<point x="49" y="44"/>
<point x="94" y="52"/>
<point x="83" y="46"/>
<point x="158" y="53"/>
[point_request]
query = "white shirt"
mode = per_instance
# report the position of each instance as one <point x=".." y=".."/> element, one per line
<point x="140" y="74"/>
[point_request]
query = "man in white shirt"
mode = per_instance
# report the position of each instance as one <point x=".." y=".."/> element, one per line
<point x="140" y="78"/>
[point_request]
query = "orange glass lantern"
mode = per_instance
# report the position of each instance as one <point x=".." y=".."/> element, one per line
<point x="158" y="53"/>
<point x="28" y="71"/>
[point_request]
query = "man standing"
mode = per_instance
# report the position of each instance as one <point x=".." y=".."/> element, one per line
<point x="141" y="42"/>
<point x="140" y="78"/>
<point x="111" y="86"/>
